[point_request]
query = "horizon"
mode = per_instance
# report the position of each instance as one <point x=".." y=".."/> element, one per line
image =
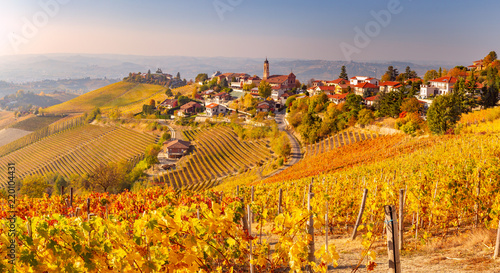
<point x="359" y="31"/>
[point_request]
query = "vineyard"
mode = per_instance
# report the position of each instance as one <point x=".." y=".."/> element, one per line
<point x="158" y="97"/>
<point x="61" y="125"/>
<point x="217" y="153"/>
<point x="76" y="151"/>
<point x="447" y="187"/>
<point x="337" y="141"/>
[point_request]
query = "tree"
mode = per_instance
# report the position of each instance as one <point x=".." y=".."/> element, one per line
<point x="202" y="77"/>
<point x="390" y="74"/>
<point x="411" y="105"/>
<point x="431" y="75"/>
<point x="151" y="155"/>
<point x="34" y="186"/>
<point x="248" y="87"/>
<point x="264" y="89"/>
<point x="353" y="104"/>
<point x="443" y="114"/>
<point x="182" y="100"/>
<point x="169" y="92"/>
<point x="365" y="117"/>
<point x="194" y="93"/>
<point x="223" y="83"/>
<point x="106" y="177"/>
<point x="152" y="103"/>
<point x="56" y="181"/>
<point x="492" y="56"/>
<point x="489" y="96"/>
<point x="343" y="73"/>
<point x="115" y="113"/>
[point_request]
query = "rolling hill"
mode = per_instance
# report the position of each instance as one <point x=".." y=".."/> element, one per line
<point x="114" y="95"/>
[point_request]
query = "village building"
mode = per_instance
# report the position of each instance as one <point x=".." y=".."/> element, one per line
<point x="168" y="104"/>
<point x="338" y="98"/>
<point x="214" y="109"/>
<point x="365" y="89"/>
<point x="362" y="79"/>
<point x="265" y="106"/>
<point x="439" y="86"/>
<point x="190" y="108"/>
<point x="177" y="148"/>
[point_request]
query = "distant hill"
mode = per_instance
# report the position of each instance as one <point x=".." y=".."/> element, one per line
<point x="116" y="94"/>
<point x="74" y="86"/>
<point x="25" y="68"/>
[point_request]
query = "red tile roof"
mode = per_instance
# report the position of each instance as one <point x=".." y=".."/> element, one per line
<point x="327" y="88"/>
<point x="178" y="144"/>
<point x="212" y="105"/>
<point x="338" y="96"/>
<point x="373" y="98"/>
<point x="366" y="85"/>
<point x="445" y="79"/>
<point x="190" y="104"/>
<point x="389" y="83"/>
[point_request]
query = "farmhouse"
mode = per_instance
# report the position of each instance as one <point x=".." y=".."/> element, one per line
<point x="214" y="109"/>
<point x="168" y="103"/>
<point x="338" y="98"/>
<point x="177" y="148"/>
<point x="439" y="86"/>
<point x="190" y="108"/>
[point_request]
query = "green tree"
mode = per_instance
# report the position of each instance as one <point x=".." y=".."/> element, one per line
<point x="443" y="113"/>
<point x="183" y="100"/>
<point x="223" y="83"/>
<point x="365" y="117"/>
<point x="202" y="77"/>
<point x="431" y="75"/>
<point x="107" y="177"/>
<point x="411" y="105"/>
<point x="265" y="89"/>
<point x="56" y="181"/>
<point x="151" y="155"/>
<point x="343" y="73"/>
<point x="390" y="74"/>
<point x="169" y="92"/>
<point x="353" y="103"/>
<point x="34" y="186"/>
<point x="489" y="96"/>
<point x="114" y="113"/>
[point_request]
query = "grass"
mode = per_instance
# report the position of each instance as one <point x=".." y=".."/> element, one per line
<point x="35" y="123"/>
<point x="117" y="94"/>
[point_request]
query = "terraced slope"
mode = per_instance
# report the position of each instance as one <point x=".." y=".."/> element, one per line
<point x="114" y="95"/>
<point x="76" y="151"/>
<point x="337" y="141"/>
<point x="217" y="153"/>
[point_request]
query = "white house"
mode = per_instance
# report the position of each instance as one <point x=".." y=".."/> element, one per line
<point x="439" y="86"/>
<point x="277" y="92"/>
<point x="362" y="79"/>
<point x="214" y="109"/>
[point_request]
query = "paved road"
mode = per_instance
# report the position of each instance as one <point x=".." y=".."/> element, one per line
<point x="296" y="154"/>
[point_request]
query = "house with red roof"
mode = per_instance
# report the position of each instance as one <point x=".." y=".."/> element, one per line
<point x="362" y="79"/>
<point x="477" y="65"/>
<point x="190" y="108"/>
<point x="265" y="106"/>
<point x="338" y="98"/>
<point x="389" y="86"/>
<point x="370" y="101"/>
<point x="214" y="109"/>
<point x="177" y="148"/>
<point x="316" y="90"/>
<point x="439" y="86"/>
<point x="365" y="89"/>
<point x="168" y="104"/>
<point x="221" y="97"/>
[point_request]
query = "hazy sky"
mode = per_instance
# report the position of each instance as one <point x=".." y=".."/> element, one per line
<point x="451" y="30"/>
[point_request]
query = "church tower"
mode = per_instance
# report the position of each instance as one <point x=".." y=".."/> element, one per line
<point x="266" y="69"/>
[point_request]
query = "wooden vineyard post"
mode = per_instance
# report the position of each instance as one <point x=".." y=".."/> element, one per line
<point x="252" y="195"/>
<point x="391" y="223"/>
<point x="250" y="219"/>
<point x="476" y="218"/>
<point x="401" y="217"/>
<point x="326" y="230"/>
<point x="237" y="190"/>
<point x="88" y="206"/>
<point x="360" y="215"/>
<point x="77" y="212"/>
<point x="310" y="224"/>
<point x="71" y="197"/>
<point x="280" y="200"/>
<point x="497" y="244"/>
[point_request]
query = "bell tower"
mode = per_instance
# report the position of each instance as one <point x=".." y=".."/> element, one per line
<point x="266" y="69"/>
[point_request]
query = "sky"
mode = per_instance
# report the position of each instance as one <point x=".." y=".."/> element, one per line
<point x="355" y="30"/>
